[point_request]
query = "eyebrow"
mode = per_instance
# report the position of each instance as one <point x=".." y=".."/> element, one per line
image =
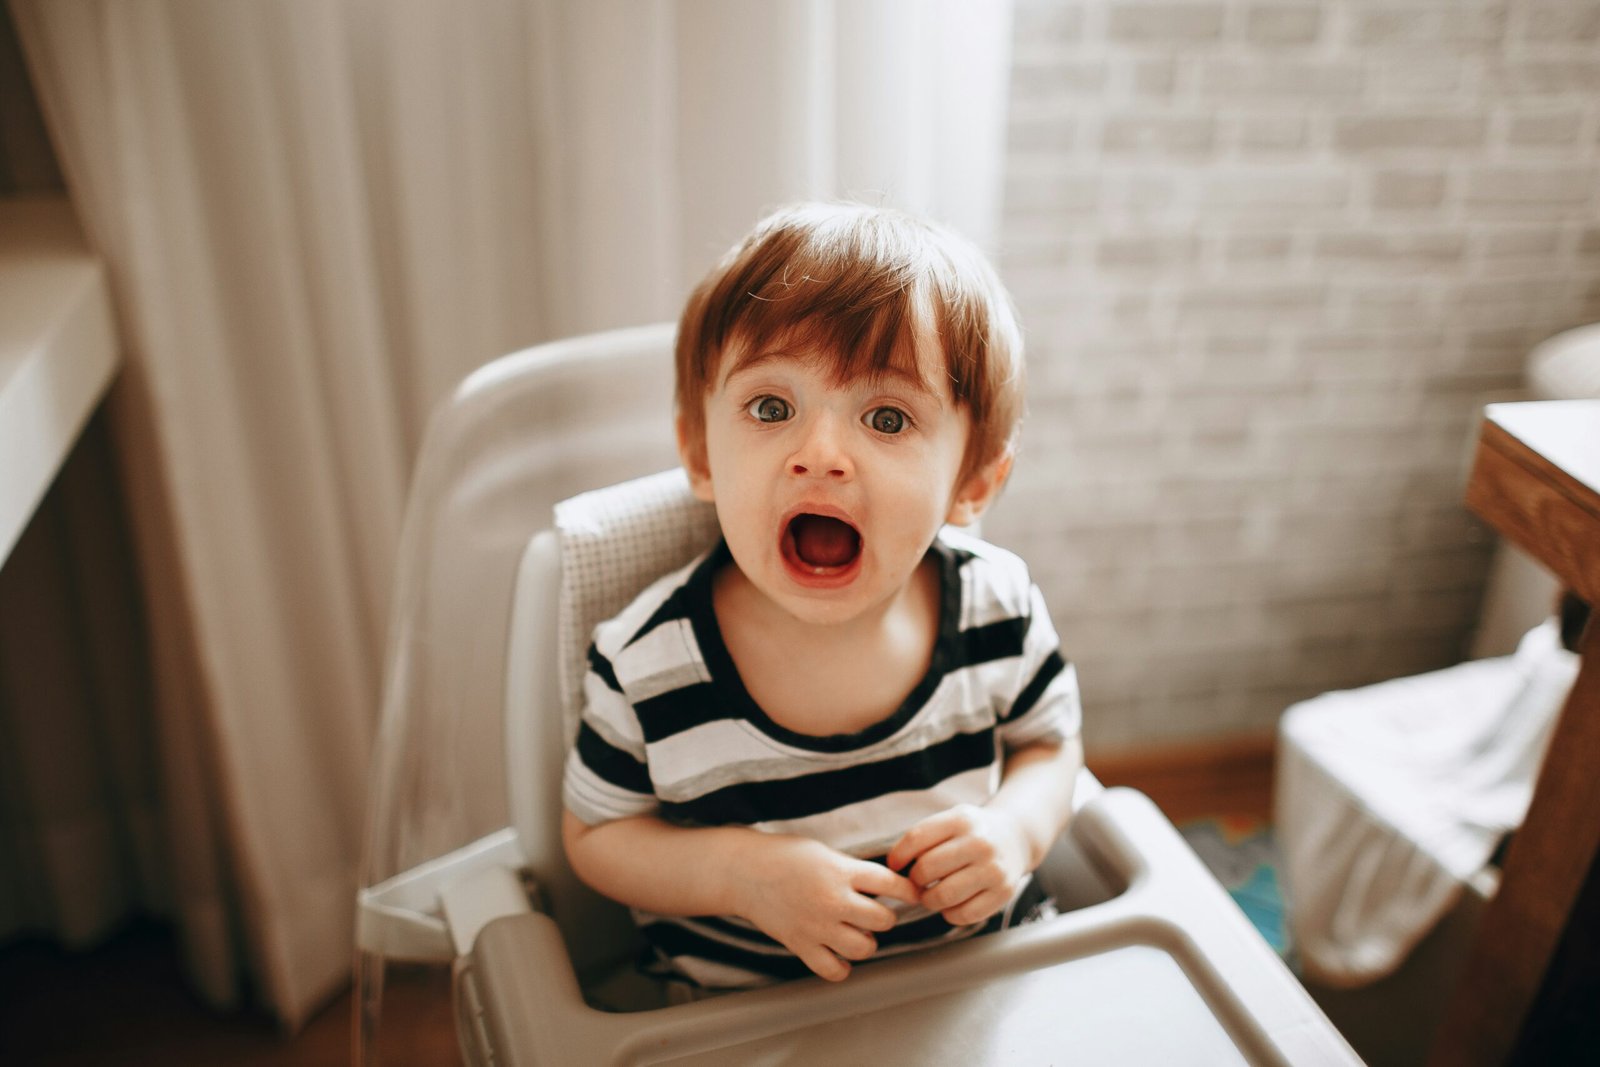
<point x="753" y="361"/>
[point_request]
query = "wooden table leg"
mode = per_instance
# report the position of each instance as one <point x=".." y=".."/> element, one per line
<point x="1528" y="993"/>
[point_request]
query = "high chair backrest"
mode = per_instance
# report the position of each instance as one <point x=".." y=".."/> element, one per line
<point x="606" y="547"/>
<point x="615" y="542"/>
<point x="521" y="434"/>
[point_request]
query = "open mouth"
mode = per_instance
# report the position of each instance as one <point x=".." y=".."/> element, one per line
<point x="821" y="544"/>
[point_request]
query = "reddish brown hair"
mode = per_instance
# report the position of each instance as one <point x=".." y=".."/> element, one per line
<point x="858" y="284"/>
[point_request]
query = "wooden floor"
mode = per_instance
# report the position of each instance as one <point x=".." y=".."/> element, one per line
<point x="1230" y="778"/>
<point x="126" y="1003"/>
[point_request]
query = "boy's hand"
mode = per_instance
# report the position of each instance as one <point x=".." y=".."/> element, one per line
<point x="968" y="861"/>
<point x="817" y="901"/>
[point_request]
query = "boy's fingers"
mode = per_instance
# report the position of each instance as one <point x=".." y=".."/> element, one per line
<point x="948" y="857"/>
<point x="921" y="837"/>
<point x="941" y="861"/>
<point x="976" y="909"/>
<point x="882" y="882"/>
<point x="824" y="964"/>
<point x="955" y="890"/>
<point x="871" y="916"/>
<point x="853" y="943"/>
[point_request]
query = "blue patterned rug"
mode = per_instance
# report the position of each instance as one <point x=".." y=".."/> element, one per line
<point x="1244" y="857"/>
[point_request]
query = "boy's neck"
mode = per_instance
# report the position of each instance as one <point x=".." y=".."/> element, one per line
<point x="830" y="679"/>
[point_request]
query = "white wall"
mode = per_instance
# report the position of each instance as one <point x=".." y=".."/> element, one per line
<point x="1272" y="257"/>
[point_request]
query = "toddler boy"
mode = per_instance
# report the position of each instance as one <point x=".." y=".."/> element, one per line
<point x="847" y="731"/>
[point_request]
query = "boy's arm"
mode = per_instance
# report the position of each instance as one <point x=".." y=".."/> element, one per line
<point x="1036" y="790"/>
<point x="815" y="901"/>
<point x="968" y="861"/>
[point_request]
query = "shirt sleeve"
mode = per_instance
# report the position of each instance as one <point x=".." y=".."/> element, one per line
<point x="1046" y="706"/>
<point x="607" y="774"/>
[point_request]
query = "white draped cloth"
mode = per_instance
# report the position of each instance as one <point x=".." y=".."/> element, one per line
<point x="317" y="217"/>
<point x="1390" y="798"/>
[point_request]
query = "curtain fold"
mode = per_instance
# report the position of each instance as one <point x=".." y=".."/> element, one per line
<point x="317" y="218"/>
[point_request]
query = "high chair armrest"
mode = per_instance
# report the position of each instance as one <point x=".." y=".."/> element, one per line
<point x="402" y="918"/>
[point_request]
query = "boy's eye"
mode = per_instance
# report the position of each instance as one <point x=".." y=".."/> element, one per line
<point x="770" y="409"/>
<point x="887" y="420"/>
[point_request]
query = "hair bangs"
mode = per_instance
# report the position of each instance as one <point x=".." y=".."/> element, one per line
<point x="858" y="326"/>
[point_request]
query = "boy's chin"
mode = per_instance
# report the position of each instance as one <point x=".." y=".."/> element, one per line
<point x="820" y="612"/>
<point x="819" y="607"/>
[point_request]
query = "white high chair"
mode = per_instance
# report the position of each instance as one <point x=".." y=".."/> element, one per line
<point x="464" y="863"/>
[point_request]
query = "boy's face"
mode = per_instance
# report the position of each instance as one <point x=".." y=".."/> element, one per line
<point x="830" y="495"/>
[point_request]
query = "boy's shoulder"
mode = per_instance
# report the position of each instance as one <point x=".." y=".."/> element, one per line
<point x="662" y="602"/>
<point x="994" y="580"/>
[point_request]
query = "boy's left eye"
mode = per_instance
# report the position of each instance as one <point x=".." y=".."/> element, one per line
<point x="887" y="420"/>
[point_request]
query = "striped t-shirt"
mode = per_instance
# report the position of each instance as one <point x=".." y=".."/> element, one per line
<point x="669" y="730"/>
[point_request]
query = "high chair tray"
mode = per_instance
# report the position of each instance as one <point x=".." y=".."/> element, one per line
<point x="1166" y="971"/>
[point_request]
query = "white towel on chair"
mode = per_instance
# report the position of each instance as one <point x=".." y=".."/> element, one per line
<point x="615" y="542"/>
<point x="1390" y="797"/>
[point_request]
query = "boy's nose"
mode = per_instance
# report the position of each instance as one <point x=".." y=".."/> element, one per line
<point x="821" y="453"/>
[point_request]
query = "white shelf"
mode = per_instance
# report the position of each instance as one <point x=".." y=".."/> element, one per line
<point x="58" y="349"/>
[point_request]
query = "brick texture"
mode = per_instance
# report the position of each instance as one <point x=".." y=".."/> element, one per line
<point x="1272" y="256"/>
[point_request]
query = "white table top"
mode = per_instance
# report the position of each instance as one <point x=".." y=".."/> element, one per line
<point x="1564" y="432"/>
<point x="58" y="349"/>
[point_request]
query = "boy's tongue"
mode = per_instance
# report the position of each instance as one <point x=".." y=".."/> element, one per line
<point x="823" y="542"/>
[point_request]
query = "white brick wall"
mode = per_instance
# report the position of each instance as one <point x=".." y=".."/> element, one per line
<point x="1272" y="257"/>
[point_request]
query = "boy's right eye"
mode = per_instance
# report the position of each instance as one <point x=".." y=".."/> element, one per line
<point x="770" y="409"/>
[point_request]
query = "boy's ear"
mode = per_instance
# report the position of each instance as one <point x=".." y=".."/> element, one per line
<point x="692" y="454"/>
<point x="974" y="495"/>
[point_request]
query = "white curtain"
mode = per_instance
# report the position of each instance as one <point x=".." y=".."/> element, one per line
<point x="318" y="216"/>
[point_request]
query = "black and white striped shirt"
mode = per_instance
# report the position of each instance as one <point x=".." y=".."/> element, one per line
<point x="668" y="729"/>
